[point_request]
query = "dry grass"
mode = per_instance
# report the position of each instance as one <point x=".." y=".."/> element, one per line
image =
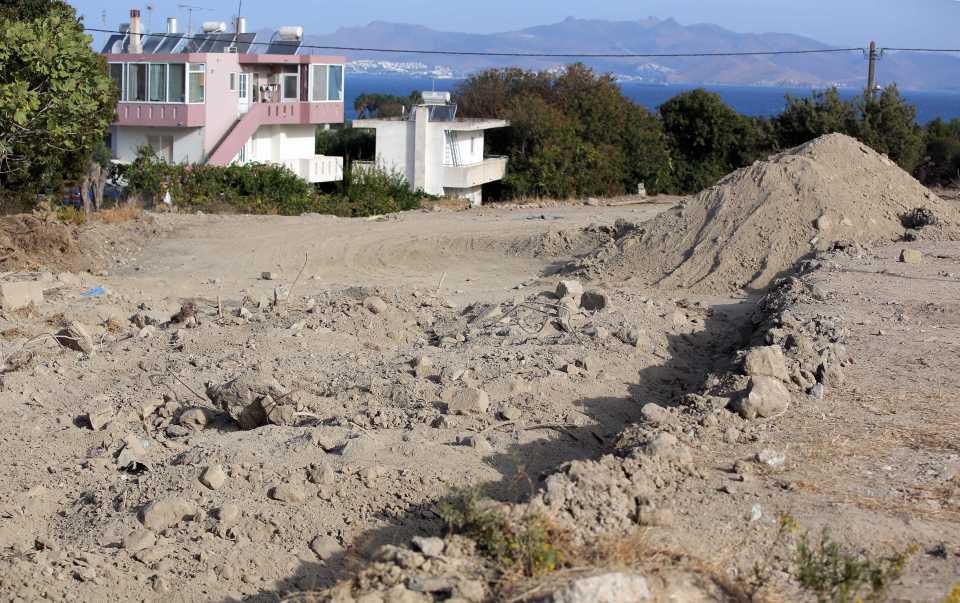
<point x="119" y="214"/>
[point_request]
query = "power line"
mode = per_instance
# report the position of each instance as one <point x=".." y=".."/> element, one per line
<point x="571" y="55"/>
<point x="922" y="49"/>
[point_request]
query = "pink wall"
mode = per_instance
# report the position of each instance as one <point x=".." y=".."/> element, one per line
<point x="176" y="115"/>
<point x="223" y="102"/>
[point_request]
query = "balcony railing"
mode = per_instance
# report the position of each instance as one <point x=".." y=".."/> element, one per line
<point x="319" y="168"/>
<point x="468" y="176"/>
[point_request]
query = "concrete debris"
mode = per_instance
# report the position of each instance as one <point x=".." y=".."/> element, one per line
<point x="571" y="289"/>
<point x="248" y="398"/>
<point x="213" y="477"/>
<point x="166" y="512"/>
<point x="768" y="397"/>
<point x="288" y="493"/>
<point x="911" y="256"/>
<point x="615" y="587"/>
<point x="375" y="305"/>
<point x="76" y="337"/>
<point x="766" y="361"/>
<point x="325" y="547"/>
<point x="17" y="295"/>
<point x="468" y="400"/>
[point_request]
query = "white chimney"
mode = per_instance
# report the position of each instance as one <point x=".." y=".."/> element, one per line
<point x="136" y="32"/>
<point x="241" y="25"/>
<point x="172" y="25"/>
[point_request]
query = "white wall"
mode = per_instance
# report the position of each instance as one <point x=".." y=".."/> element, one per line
<point x="187" y="142"/>
<point x="473" y="194"/>
<point x="395" y="142"/>
<point x="469" y="146"/>
<point x="276" y="143"/>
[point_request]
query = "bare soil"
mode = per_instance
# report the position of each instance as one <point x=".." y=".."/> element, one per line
<point x="114" y="457"/>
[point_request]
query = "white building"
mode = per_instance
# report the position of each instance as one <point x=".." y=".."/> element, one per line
<point x="437" y="152"/>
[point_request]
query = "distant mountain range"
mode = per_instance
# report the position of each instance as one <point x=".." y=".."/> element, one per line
<point x="909" y="70"/>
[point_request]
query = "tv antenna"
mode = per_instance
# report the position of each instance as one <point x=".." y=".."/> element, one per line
<point x="190" y="10"/>
<point x="150" y="8"/>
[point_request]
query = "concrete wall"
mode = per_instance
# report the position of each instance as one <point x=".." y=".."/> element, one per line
<point x="276" y="143"/>
<point x="395" y="148"/>
<point x="187" y="142"/>
<point x="469" y="146"/>
<point x="222" y="103"/>
<point x="474" y="194"/>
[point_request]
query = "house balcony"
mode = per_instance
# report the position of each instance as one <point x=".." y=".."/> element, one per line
<point x="319" y="168"/>
<point x="166" y="115"/>
<point x="274" y="113"/>
<point x="490" y="169"/>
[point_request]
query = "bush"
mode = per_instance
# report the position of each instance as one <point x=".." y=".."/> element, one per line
<point x="533" y="546"/>
<point x="370" y="192"/>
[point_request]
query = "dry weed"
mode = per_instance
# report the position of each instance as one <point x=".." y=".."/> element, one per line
<point x="119" y="214"/>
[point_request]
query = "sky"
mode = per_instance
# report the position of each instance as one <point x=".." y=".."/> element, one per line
<point x="892" y="23"/>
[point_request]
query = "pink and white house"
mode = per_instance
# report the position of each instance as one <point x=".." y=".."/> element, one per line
<point x="221" y="97"/>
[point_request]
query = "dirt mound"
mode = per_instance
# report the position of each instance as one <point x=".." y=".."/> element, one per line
<point x="759" y="221"/>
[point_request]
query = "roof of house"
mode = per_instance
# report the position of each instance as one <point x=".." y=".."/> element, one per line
<point x="263" y="42"/>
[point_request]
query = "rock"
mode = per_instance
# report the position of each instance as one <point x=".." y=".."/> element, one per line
<point x="325" y="547"/>
<point x="213" y="477"/>
<point x="824" y="223"/>
<point x="614" y="587"/>
<point x="248" y="398"/>
<point x="269" y="276"/>
<point x="510" y="413"/>
<point x="768" y="397"/>
<point x="766" y="361"/>
<point x="431" y="547"/>
<point x="229" y="514"/>
<point x="572" y="289"/>
<point x="479" y="443"/>
<point x="656" y="414"/>
<point x="661" y="518"/>
<point x="244" y="313"/>
<point x="322" y="474"/>
<point x="280" y="294"/>
<point x="423" y="366"/>
<point x="817" y="392"/>
<point x="166" y="512"/>
<point x="667" y="447"/>
<point x="593" y="202"/>
<point x="911" y="256"/>
<point x="138" y="540"/>
<point x="147" y="332"/>
<point x="75" y="337"/>
<point x="375" y="305"/>
<point x="99" y="418"/>
<point x="177" y="431"/>
<point x="14" y="296"/>
<point x="594" y="301"/>
<point x="195" y="419"/>
<point x="597" y="332"/>
<point x="288" y="493"/>
<point x="830" y="374"/>
<point x="631" y="337"/>
<point x="466" y="400"/>
<point x="771" y="458"/>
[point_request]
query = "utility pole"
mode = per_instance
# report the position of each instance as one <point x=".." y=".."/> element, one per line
<point x="872" y="70"/>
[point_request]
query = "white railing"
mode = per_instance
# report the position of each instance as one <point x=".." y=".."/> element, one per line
<point x="319" y="168"/>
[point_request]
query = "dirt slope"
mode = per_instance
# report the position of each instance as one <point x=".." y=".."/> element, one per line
<point x="759" y="221"/>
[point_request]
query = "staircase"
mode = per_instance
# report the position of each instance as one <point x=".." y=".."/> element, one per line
<point x="238" y="134"/>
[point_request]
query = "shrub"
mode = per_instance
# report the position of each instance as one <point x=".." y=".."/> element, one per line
<point x="370" y="192"/>
<point x="836" y="575"/>
<point x="533" y="546"/>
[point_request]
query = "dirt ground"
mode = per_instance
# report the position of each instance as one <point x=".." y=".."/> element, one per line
<point x="126" y="480"/>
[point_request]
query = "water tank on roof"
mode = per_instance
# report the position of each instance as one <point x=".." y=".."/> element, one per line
<point x="435" y="98"/>
<point x="214" y="27"/>
<point x="290" y="33"/>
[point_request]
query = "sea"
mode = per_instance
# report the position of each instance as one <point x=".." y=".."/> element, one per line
<point x="748" y="100"/>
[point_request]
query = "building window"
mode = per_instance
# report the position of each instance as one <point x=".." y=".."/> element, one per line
<point x="136" y="82"/>
<point x="233" y="82"/>
<point x="158" y="83"/>
<point x="291" y="86"/>
<point x="326" y="83"/>
<point x="177" y="90"/>
<point x="196" y="82"/>
<point x="162" y="147"/>
<point x="116" y="74"/>
<point x="244" y="83"/>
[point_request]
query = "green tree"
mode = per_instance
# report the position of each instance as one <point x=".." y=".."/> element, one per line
<point x="941" y="164"/>
<point x="347" y="142"/>
<point x="889" y="125"/>
<point x="571" y="134"/>
<point x="369" y="106"/>
<point x="56" y="97"/>
<point x="823" y="112"/>
<point x="707" y="139"/>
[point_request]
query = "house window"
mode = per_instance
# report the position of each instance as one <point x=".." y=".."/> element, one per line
<point x="137" y="82"/>
<point x="176" y="93"/>
<point x="244" y="79"/>
<point x="162" y="146"/>
<point x="196" y="82"/>
<point x="233" y="82"/>
<point x="291" y="86"/>
<point x="116" y="74"/>
<point x="326" y="83"/>
<point x="158" y="83"/>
